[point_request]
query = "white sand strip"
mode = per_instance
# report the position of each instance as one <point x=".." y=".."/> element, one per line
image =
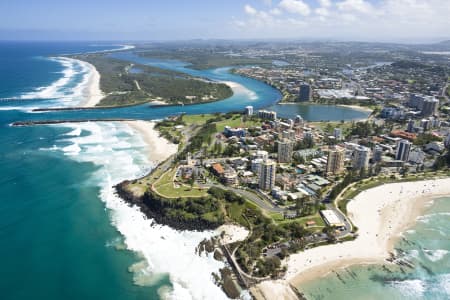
<point x="92" y="92"/>
<point x="159" y="148"/>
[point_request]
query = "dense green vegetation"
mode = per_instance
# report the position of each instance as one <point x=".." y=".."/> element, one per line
<point x="123" y="87"/>
<point x="202" y="59"/>
<point x="443" y="161"/>
<point x="408" y="64"/>
<point x="203" y="136"/>
<point x="263" y="233"/>
<point x="185" y="212"/>
<point x="425" y="138"/>
<point x="365" y="129"/>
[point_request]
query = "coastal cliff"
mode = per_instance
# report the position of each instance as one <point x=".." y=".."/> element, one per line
<point x="156" y="208"/>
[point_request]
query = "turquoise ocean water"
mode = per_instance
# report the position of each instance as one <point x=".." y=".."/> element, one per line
<point x="426" y="246"/>
<point x="63" y="232"/>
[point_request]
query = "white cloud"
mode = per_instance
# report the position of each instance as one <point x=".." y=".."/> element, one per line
<point x="250" y="10"/>
<point x="322" y="12"/>
<point x="355" y="5"/>
<point x="295" y="7"/>
<point x="349" y="19"/>
<point x="325" y="3"/>
<point x="276" y="12"/>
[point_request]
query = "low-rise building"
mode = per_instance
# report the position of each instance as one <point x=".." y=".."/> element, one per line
<point x="331" y="218"/>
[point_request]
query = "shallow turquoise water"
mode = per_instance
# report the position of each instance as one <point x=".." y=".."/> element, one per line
<point x="426" y="245"/>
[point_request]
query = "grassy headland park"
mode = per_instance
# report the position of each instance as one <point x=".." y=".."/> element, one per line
<point x="186" y="196"/>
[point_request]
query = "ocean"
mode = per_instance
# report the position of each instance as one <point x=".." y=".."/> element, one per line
<point x="426" y="246"/>
<point x="63" y="232"/>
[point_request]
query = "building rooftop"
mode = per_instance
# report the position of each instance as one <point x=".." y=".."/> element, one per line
<point x="331" y="218"/>
<point x="218" y="168"/>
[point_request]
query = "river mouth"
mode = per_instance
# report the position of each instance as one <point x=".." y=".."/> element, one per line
<point x="246" y="91"/>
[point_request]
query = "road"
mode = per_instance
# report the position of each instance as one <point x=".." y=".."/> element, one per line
<point x="444" y="92"/>
<point x="251" y="196"/>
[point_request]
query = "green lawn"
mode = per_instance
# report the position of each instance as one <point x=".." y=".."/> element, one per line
<point x="323" y="125"/>
<point x="236" y="212"/>
<point x="317" y="218"/>
<point x="236" y="121"/>
<point x="165" y="187"/>
<point x="277" y="217"/>
<point x="197" y="119"/>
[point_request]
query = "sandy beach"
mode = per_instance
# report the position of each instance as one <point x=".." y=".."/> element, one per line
<point x="240" y="89"/>
<point x="92" y="92"/>
<point x="159" y="148"/>
<point x="381" y="215"/>
<point x="357" y="107"/>
<point x="233" y="233"/>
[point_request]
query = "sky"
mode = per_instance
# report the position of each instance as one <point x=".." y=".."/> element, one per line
<point x="362" y="20"/>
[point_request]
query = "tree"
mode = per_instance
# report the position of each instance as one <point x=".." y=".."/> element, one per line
<point x="404" y="170"/>
<point x="330" y="232"/>
<point x="300" y="205"/>
<point x="362" y="173"/>
<point x="298" y="159"/>
<point x="191" y="181"/>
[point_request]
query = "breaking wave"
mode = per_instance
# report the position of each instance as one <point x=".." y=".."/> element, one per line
<point x="119" y="153"/>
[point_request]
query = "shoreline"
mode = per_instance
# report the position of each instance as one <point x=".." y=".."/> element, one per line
<point x="92" y="92"/>
<point x="381" y="221"/>
<point x="159" y="148"/>
<point x="355" y="107"/>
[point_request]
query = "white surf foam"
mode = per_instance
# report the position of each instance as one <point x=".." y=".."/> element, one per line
<point x="75" y="132"/>
<point x="166" y="251"/>
<point x="54" y="90"/>
<point x="424" y="219"/>
<point x="70" y="89"/>
<point x="121" y="48"/>
<point x="436" y="255"/>
<point x="414" y="288"/>
<point x="20" y="108"/>
<point x="444" y="284"/>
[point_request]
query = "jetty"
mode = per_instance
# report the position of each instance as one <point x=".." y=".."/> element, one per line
<point x="51" y="122"/>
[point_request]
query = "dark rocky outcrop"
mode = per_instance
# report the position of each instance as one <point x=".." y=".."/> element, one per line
<point x="156" y="209"/>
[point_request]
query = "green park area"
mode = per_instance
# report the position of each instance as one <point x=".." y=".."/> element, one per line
<point x="167" y="187"/>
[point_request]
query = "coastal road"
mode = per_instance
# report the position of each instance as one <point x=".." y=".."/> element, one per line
<point x="251" y="196"/>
